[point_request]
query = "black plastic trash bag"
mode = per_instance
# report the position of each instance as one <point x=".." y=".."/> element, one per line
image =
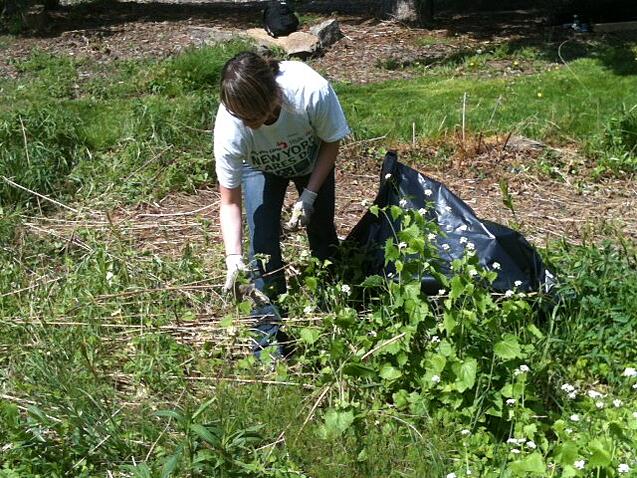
<point x="497" y="247"/>
<point x="279" y="19"/>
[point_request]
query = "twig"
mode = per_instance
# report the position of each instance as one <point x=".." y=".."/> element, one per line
<point x="152" y="447"/>
<point x="383" y="344"/>
<point x="16" y="185"/>
<point x="314" y="407"/>
<point x="15" y="292"/>
<point x="174" y="214"/>
<point x="464" y="115"/>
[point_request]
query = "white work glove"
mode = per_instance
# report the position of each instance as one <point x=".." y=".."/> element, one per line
<point x="302" y="210"/>
<point x="234" y="265"/>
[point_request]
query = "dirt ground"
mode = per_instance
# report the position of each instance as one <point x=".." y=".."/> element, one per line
<point x="560" y="204"/>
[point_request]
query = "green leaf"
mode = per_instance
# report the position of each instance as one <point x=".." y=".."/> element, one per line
<point x="171" y="463"/>
<point x="227" y="321"/>
<point x="508" y="348"/>
<point x="374" y="210"/>
<point x="205" y="434"/>
<point x="466" y="375"/>
<point x="311" y="283"/>
<point x="359" y="370"/>
<point x="436" y="363"/>
<point x="169" y="414"/>
<point x="567" y="453"/>
<point x="373" y="281"/>
<point x="389" y="372"/>
<point x="533" y="464"/>
<point x="449" y="321"/>
<point x="600" y="453"/>
<point x="535" y="331"/>
<point x="203" y="408"/>
<point x="457" y="287"/>
<point x="309" y="336"/>
<point x="336" y="422"/>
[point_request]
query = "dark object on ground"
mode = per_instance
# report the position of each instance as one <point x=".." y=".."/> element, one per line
<point x="497" y="247"/>
<point x="279" y="19"/>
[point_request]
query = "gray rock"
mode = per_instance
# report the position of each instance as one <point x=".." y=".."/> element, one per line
<point x="328" y="32"/>
<point x="207" y="36"/>
<point x="521" y="143"/>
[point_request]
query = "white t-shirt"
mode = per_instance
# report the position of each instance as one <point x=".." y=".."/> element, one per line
<point x="310" y="113"/>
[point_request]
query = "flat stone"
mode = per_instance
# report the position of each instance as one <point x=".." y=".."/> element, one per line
<point x="300" y="44"/>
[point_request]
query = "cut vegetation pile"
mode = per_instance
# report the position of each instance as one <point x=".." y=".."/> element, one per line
<point x="119" y="357"/>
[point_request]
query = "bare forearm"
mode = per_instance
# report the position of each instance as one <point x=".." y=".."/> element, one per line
<point x="324" y="164"/>
<point x="230" y="220"/>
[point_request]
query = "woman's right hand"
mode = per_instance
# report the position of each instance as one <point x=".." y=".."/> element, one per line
<point x="234" y="265"/>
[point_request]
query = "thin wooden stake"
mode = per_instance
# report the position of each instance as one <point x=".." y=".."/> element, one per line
<point x="46" y="198"/>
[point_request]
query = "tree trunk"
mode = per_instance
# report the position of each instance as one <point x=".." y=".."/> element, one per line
<point x="411" y="11"/>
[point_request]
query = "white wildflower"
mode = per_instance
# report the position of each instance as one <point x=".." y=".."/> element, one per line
<point x="568" y="388"/>
<point x="442" y="291"/>
<point x="431" y="236"/>
<point x="463" y="228"/>
<point x="469" y="472"/>
<point x="308" y="309"/>
<point x="635" y="386"/>
<point x="515" y="441"/>
<point x="580" y="464"/>
<point x="617" y="403"/>
<point x="496" y="266"/>
<point x="473" y="272"/>
<point x="531" y="444"/>
<point x="428" y="192"/>
<point x="575" y="417"/>
<point x="435" y="379"/>
<point x="517" y="283"/>
<point x="445" y="247"/>
<point x="422" y="211"/>
<point x="508" y="293"/>
<point x="471" y="246"/>
<point x="572" y="395"/>
<point x="372" y="333"/>
<point x="510" y="402"/>
<point x="569" y="431"/>
<point x="599" y="405"/>
<point x="630" y="372"/>
<point x="594" y="394"/>
<point x="623" y="468"/>
<point x="524" y="368"/>
<point x="403" y="203"/>
<point x="347" y="290"/>
<point x="465" y="432"/>
<point x="402" y="245"/>
<point x="451" y="475"/>
<point x="435" y="339"/>
<point x="388" y="176"/>
<point x="463" y="240"/>
<point x="515" y="451"/>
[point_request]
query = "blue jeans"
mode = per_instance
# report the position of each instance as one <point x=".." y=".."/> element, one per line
<point x="263" y="195"/>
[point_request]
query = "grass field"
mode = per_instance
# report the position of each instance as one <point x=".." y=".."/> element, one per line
<point x="119" y="361"/>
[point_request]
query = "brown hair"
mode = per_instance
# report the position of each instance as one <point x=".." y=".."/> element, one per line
<point x="248" y="85"/>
